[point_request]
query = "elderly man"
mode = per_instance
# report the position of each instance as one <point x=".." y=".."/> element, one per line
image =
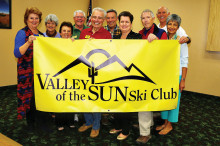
<point x="79" y="19"/>
<point x="162" y="14"/>
<point x="111" y="19"/>
<point x="97" y="31"/>
<point x="150" y="32"/>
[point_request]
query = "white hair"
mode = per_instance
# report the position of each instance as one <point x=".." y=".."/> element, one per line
<point x="79" y="11"/>
<point x="52" y="17"/>
<point x="99" y="9"/>
<point x="148" y="10"/>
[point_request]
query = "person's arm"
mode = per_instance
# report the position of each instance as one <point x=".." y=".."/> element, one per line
<point x="184" y="64"/>
<point x="20" y="45"/>
<point x="26" y="45"/>
<point x="184" y="38"/>
<point x="151" y="37"/>
<point x="182" y="82"/>
<point x="19" y="41"/>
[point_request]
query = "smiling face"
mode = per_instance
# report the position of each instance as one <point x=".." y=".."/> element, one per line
<point x="33" y="21"/>
<point x="162" y="15"/>
<point x="50" y="26"/>
<point x="147" y="20"/>
<point x="79" y="19"/>
<point x="111" y="19"/>
<point x="97" y="19"/>
<point x="66" y="32"/>
<point x="125" y="24"/>
<point x="172" y="27"/>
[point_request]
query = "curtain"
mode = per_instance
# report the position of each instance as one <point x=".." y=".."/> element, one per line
<point x="213" y="43"/>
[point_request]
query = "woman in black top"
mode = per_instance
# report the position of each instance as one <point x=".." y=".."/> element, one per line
<point x="122" y="120"/>
<point x="125" y="25"/>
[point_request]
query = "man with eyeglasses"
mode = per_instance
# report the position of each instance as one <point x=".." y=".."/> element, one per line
<point x="97" y="31"/>
<point x="79" y="19"/>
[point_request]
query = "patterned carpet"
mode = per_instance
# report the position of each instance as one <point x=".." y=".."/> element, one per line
<point x="198" y="125"/>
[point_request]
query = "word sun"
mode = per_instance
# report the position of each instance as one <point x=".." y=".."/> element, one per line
<point x="116" y="93"/>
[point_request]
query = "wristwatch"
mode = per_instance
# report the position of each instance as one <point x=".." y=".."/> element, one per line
<point x="189" y="40"/>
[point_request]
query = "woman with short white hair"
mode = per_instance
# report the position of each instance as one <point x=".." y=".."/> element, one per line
<point x="51" y="22"/>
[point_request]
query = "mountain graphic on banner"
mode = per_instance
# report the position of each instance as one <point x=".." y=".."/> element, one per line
<point x="93" y="71"/>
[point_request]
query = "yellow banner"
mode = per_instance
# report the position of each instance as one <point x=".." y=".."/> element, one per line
<point x="105" y="75"/>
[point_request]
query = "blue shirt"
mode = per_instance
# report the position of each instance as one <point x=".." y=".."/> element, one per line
<point x="19" y="41"/>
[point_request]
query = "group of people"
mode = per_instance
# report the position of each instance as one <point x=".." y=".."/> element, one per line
<point x="168" y="28"/>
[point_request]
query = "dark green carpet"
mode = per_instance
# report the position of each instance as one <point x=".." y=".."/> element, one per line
<point x="199" y="124"/>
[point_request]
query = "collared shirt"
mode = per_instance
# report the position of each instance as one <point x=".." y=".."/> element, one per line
<point x="76" y="32"/>
<point x="116" y="31"/>
<point x="160" y="33"/>
<point x="100" y="34"/>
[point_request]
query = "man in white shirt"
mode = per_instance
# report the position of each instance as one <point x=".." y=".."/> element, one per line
<point x="162" y="14"/>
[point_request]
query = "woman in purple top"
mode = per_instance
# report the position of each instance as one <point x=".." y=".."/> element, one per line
<point x="51" y="22"/>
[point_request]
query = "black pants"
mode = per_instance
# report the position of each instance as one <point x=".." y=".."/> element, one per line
<point x="31" y="114"/>
<point x="122" y="121"/>
<point x="64" y="119"/>
<point x="37" y="118"/>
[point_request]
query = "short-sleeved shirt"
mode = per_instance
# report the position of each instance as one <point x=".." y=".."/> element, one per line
<point x="76" y="31"/>
<point x="100" y="34"/>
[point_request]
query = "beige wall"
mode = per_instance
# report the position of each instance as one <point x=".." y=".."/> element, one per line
<point x="63" y="9"/>
<point x="204" y="67"/>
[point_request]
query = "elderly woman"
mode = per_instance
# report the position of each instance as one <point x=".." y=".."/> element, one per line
<point x="122" y="120"/>
<point x="66" y="30"/>
<point x="65" y="119"/>
<point x="51" y="22"/>
<point x="23" y="50"/>
<point x="171" y="116"/>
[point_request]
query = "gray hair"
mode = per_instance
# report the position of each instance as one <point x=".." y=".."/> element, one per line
<point x="164" y="8"/>
<point x="148" y="10"/>
<point x="112" y="10"/>
<point x="52" y="17"/>
<point x="174" y="17"/>
<point x="79" y="11"/>
<point x="99" y="9"/>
